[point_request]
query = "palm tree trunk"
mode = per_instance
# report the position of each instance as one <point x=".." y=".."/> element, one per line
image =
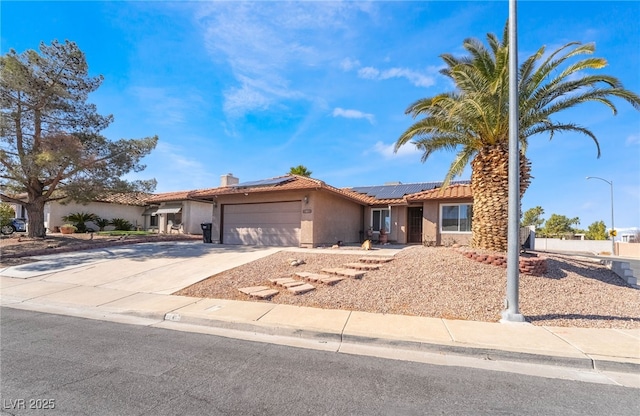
<point x="490" y="187"/>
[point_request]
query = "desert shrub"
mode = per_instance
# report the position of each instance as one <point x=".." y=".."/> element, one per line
<point x="79" y="219"/>
<point x="101" y="223"/>
<point x="121" y="224"/>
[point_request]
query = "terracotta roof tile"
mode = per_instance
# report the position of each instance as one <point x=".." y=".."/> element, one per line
<point x="129" y="198"/>
<point x="450" y="192"/>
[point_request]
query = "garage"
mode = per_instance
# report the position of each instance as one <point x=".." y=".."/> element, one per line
<point x="266" y="224"/>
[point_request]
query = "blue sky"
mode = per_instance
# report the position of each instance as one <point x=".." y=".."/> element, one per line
<point x="255" y="88"/>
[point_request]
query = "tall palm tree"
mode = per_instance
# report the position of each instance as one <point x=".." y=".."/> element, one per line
<point x="473" y="120"/>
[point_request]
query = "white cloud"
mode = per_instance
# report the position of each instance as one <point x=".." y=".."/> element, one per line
<point x="414" y="77"/>
<point x="347" y="64"/>
<point x="341" y="112"/>
<point x="268" y="45"/>
<point x="632" y="140"/>
<point x="386" y="150"/>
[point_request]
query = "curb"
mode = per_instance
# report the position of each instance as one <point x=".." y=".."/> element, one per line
<point x="583" y="363"/>
<point x="490" y="354"/>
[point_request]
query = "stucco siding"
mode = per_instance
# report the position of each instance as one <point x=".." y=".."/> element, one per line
<point x="334" y="219"/>
<point x="195" y="213"/>
<point x="55" y="211"/>
<point x="431" y="234"/>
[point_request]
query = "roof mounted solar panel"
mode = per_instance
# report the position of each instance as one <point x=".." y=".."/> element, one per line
<point x="263" y="182"/>
<point x="397" y="191"/>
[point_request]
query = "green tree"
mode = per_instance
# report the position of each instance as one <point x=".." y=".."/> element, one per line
<point x="473" y="120"/>
<point x="50" y="146"/>
<point x="533" y="216"/>
<point x="560" y="226"/>
<point x="597" y="231"/>
<point x="300" y="170"/>
<point x="6" y="213"/>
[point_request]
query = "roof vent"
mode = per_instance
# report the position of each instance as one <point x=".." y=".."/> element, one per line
<point x="228" y="180"/>
<point x="393" y="183"/>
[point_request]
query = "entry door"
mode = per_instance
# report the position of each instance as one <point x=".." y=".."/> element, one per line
<point x="415" y="225"/>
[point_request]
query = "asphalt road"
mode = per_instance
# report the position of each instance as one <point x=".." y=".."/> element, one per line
<point x="75" y="366"/>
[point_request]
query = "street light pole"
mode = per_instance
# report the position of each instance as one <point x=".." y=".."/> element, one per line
<point x="613" y="242"/>
<point x="512" y="312"/>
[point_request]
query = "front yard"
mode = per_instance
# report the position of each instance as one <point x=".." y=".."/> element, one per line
<point x="442" y="283"/>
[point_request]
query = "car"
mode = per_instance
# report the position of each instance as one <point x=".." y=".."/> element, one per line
<point x="16" y="224"/>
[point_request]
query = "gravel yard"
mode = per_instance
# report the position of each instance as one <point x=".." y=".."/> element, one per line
<point x="442" y="283"/>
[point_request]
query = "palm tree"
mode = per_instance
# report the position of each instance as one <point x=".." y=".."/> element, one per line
<point x="474" y="120"/>
<point x="300" y="170"/>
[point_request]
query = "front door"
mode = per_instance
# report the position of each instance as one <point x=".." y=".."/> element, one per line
<point x="414" y="215"/>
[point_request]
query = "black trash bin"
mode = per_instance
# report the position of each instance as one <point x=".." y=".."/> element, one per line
<point x="206" y="232"/>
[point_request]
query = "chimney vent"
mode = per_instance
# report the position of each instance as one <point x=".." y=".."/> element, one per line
<point x="228" y="180"/>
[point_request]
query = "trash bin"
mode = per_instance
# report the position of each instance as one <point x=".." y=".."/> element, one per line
<point x="206" y="232"/>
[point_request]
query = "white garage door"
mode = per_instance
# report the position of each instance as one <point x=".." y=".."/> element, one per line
<point x="269" y="224"/>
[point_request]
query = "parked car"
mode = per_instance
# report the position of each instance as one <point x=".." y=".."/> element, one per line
<point x="16" y="224"/>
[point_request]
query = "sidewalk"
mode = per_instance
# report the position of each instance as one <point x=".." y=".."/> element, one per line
<point x="133" y="285"/>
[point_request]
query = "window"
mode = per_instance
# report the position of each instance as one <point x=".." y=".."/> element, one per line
<point x="153" y="221"/>
<point x="381" y="218"/>
<point x="456" y="218"/>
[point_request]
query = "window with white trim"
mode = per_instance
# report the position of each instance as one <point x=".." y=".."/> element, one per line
<point x="381" y="218"/>
<point x="456" y="218"/>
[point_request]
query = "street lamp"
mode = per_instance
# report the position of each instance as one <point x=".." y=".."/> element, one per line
<point x="613" y="243"/>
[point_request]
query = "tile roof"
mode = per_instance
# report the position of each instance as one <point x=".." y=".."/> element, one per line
<point x="457" y="191"/>
<point x="129" y="198"/>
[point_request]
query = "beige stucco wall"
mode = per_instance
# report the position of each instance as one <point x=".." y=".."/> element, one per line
<point x="195" y="213"/>
<point x="628" y="250"/>
<point x="54" y="212"/>
<point x="431" y="225"/>
<point x="325" y="218"/>
<point x="334" y="219"/>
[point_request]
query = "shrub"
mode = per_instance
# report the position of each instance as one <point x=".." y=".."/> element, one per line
<point x="79" y="219"/>
<point x="121" y="224"/>
<point x="101" y="223"/>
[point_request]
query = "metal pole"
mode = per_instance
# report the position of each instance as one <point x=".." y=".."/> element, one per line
<point x="613" y="239"/>
<point x="613" y="227"/>
<point x="512" y="314"/>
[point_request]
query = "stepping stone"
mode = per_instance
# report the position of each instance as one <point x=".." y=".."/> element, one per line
<point x="286" y="282"/>
<point x="321" y="278"/>
<point x="293" y="284"/>
<point x="363" y="266"/>
<point x="282" y="280"/>
<point x="375" y="259"/>
<point x="261" y="292"/>
<point x="298" y="290"/>
<point x="252" y="289"/>
<point x="264" y="294"/>
<point x="345" y="272"/>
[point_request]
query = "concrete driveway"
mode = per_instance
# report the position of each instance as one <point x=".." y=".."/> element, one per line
<point x="160" y="268"/>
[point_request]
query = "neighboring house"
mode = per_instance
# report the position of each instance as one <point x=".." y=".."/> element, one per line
<point x="177" y="212"/>
<point x="299" y="211"/>
<point x="129" y="206"/>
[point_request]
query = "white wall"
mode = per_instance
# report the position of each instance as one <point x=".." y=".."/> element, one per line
<point x="556" y="244"/>
<point x="54" y="212"/>
<point x="195" y="213"/>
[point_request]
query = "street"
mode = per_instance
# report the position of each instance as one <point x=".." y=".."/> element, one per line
<point x="52" y="364"/>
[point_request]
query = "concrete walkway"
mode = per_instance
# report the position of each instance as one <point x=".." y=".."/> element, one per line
<point x="134" y="284"/>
